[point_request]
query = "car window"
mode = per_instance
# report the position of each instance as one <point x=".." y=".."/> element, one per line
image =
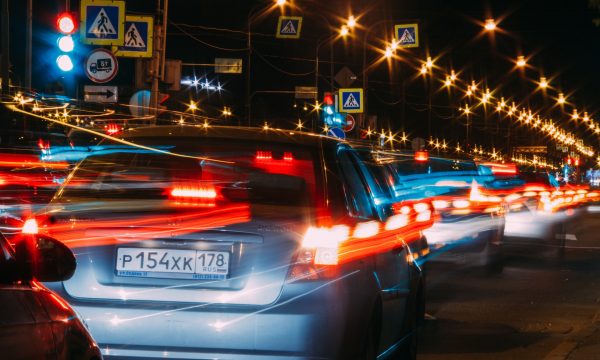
<point x="357" y="198"/>
<point x="409" y="166"/>
<point x="189" y="173"/>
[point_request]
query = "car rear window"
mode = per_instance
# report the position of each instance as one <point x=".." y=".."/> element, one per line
<point x="197" y="171"/>
<point x="440" y="166"/>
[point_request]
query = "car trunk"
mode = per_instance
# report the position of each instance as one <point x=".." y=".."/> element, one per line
<point x="220" y="233"/>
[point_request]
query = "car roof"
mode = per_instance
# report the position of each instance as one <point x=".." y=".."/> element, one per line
<point x="230" y="132"/>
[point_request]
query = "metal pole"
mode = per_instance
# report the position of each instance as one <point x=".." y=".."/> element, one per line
<point x="164" y="39"/>
<point x="28" y="45"/>
<point x="156" y="65"/>
<point x="5" y="62"/>
<point x="248" y="71"/>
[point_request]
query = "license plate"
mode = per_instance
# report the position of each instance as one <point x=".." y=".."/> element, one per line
<point x="172" y="264"/>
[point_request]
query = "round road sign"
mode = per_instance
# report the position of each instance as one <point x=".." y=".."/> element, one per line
<point x="101" y="66"/>
<point x="350" y="123"/>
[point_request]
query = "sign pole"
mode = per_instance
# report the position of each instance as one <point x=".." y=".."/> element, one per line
<point x="4" y="71"/>
<point x="158" y="57"/>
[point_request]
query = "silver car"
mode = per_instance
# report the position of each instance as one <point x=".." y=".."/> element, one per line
<point x="237" y="243"/>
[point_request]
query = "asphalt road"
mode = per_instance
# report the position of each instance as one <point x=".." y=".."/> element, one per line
<point x="540" y="307"/>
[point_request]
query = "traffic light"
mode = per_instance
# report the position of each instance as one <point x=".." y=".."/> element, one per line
<point x="331" y="118"/>
<point x="66" y="26"/>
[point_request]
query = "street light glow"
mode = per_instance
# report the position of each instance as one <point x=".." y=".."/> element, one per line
<point x="344" y="30"/>
<point x="423" y="69"/>
<point x="192" y="106"/>
<point x="521" y="61"/>
<point x="490" y="25"/>
<point x="429" y="62"/>
<point x="280" y="2"/>
<point x="561" y="99"/>
<point x="389" y="52"/>
<point x="543" y="82"/>
<point x="575" y="115"/>
<point x="351" y="22"/>
<point x="453" y="76"/>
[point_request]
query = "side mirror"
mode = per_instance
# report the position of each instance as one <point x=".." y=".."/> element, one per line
<point x="45" y="258"/>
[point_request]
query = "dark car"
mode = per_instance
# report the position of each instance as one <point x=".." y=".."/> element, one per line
<point x="35" y="323"/>
<point x="470" y="223"/>
<point x="212" y="242"/>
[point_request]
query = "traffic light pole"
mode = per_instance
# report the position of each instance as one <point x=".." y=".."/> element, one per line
<point x="158" y="58"/>
<point x="5" y="43"/>
<point x="28" y="45"/>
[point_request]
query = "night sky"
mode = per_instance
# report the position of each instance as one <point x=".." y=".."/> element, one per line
<point x="558" y="37"/>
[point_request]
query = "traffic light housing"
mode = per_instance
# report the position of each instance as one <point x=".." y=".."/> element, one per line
<point x="66" y="25"/>
<point x="332" y="118"/>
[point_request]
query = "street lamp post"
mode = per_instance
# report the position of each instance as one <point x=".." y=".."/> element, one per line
<point x="250" y="19"/>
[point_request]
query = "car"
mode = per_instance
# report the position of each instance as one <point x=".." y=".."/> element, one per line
<point x="539" y="210"/>
<point x="470" y="223"/>
<point x="35" y="323"/>
<point x="238" y="243"/>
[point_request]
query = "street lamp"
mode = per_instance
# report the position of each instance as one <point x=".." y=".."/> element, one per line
<point x="429" y="62"/>
<point x="389" y="52"/>
<point x="561" y="99"/>
<point x="251" y="14"/>
<point x="490" y="24"/>
<point x="521" y="62"/>
<point x="351" y="22"/>
<point x="543" y="82"/>
<point x="344" y="31"/>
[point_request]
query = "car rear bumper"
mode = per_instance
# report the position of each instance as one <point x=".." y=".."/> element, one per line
<point x="534" y="225"/>
<point x="309" y="321"/>
<point x="449" y="241"/>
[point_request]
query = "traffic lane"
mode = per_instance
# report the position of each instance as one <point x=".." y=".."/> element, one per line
<point x="537" y="308"/>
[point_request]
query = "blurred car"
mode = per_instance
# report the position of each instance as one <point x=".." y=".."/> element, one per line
<point x="216" y="242"/>
<point x="470" y="223"/>
<point x="36" y="323"/>
<point x="29" y="176"/>
<point x="538" y="210"/>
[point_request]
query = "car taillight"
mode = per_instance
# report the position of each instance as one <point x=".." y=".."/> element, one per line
<point x="327" y="246"/>
<point x="194" y="195"/>
<point x="421" y="156"/>
<point x="325" y="243"/>
<point x="30" y="227"/>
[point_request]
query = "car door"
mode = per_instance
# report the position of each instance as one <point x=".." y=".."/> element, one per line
<point x="24" y="334"/>
<point x="391" y="267"/>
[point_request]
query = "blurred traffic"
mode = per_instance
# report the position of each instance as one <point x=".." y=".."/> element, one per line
<point x="190" y="238"/>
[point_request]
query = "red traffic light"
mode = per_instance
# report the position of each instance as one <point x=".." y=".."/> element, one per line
<point x="65" y="23"/>
<point x="328" y="98"/>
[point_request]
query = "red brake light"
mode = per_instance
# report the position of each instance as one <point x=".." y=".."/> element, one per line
<point x="263" y="155"/>
<point x="112" y="129"/>
<point x="421" y="156"/>
<point x="204" y="196"/>
<point x="30" y="227"/>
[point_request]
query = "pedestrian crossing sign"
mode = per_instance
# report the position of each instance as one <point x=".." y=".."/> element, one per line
<point x="407" y="35"/>
<point x="289" y="27"/>
<point x="138" y="37"/>
<point x="351" y="100"/>
<point x="102" y="22"/>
